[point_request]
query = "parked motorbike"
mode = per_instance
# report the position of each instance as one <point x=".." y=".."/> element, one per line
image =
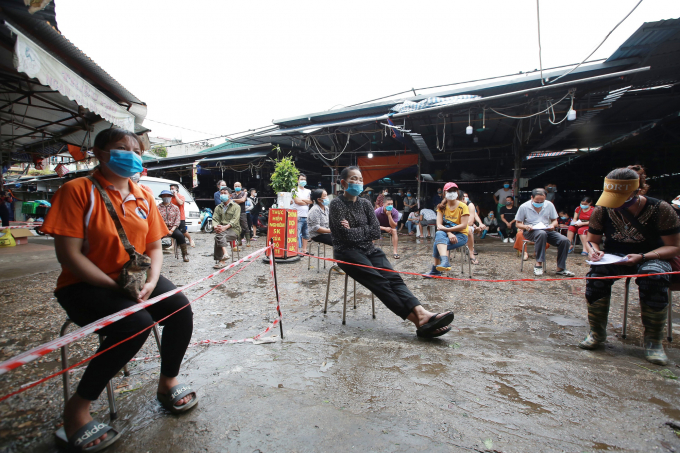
<point x="206" y="220"/>
<point x="262" y="222"/>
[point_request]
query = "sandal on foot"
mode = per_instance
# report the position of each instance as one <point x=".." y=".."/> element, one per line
<point x="474" y="261"/>
<point x="446" y="330"/>
<point x="396" y="256"/>
<point x="435" y="323"/>
<point x="89" y="432"/>
<point x="565" y="273"/>
<point x="220" y="265"/>
<point x="170" y="399"/>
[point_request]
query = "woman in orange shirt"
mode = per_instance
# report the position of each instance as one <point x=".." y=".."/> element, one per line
<point x="92" y="256"/>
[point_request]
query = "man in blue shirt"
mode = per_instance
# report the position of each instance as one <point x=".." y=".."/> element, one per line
<point x="388" y="218"/>
<point x="220" y="184"/>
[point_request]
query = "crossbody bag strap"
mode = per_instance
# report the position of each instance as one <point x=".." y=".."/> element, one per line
<point x="638" y="226"/>
<point x="129" y="248"/>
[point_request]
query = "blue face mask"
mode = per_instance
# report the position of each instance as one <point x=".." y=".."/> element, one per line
<point x="124" y="163"/>
<point x="303" y="183"/>
<point x="584" y="206"/>
<point x="224" y="198"/>
<point x="563" y="218"/>
<point x="354" y="189"/>
<point x="537" y="205"/>
<point x="506" y="186"/>
<point x="237" y="189"/>
<point x="223" y="187"/>
<point x="326" y="201"/>
<point x="388" y="208"/>
<point x="408" y="194"/>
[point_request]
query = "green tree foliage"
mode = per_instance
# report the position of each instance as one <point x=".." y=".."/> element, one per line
<point x="285" y="176"/>
<point x="160" y="151"/>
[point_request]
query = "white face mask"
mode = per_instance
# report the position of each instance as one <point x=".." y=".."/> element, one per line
<point x="451" y="195"/>
<point x="466" y="199"/>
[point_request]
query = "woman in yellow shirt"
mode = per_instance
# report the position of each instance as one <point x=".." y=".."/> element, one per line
<point x="452" y="231"/>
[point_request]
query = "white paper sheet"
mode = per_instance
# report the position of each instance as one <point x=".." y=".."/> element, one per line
<point x="608" y="259"/>
<point x="539" y="226"/>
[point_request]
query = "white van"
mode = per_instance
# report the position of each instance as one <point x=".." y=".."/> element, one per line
<point x="191" y="211"/>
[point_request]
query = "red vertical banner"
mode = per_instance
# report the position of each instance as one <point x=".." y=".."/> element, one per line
<point x="276" y="229"/>
<point x="291" y="232"/>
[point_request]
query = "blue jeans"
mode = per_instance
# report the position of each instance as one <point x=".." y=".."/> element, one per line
<point x="411" y="226"/>
<point x="303" y="232"/>
<point x="442" y="238"/>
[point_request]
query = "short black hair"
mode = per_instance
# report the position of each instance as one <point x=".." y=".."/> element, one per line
<point x="387" y="198"/>
<point x="509" y="196"/>
<point x="538" y="191"/>
<point x="345" y="172"/>
<point x="175" y="185"/>
<point x="302" y="175"/>
<point x="587" y="199"/>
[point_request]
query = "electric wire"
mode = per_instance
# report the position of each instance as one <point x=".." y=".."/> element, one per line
<point x="179" y="127"/>
<point x="599" y="45"/>
<point x="540" y="59"/>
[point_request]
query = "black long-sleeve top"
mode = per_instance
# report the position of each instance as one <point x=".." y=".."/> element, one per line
<point x="364" y="226"/>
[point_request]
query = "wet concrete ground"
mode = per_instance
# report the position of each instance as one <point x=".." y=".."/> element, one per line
<point x="508" y="378"/>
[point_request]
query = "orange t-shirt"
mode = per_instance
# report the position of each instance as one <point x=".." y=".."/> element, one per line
<point x="78" y="211"/>
<point x="180" y="206"/>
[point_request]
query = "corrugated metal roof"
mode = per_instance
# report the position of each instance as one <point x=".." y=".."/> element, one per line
<point x="223" y="146"/>
<point x="646" y="38"/>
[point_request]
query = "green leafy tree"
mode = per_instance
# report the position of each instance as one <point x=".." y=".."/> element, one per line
<point x="160" y="151"/>
<point x="285" y="176"/>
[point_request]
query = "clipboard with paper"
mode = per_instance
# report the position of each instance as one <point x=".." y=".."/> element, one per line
<point x="608" y="259"/>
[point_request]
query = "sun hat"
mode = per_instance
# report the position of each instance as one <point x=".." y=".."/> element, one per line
<point x="450" y="185"/>
<point x="617" y="191"/>
<point x="166" y="192"/>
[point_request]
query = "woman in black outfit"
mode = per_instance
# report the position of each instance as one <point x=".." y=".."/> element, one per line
<point x="354" y="227"/>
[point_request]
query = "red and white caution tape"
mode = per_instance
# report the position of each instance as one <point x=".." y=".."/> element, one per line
<point x="33" y="225"/>
<point x="57" y="343"/>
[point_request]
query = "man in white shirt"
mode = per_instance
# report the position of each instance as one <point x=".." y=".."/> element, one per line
<point x="501" y="194"/>
<point x="301" y="203"/>
<point x="540" y="213"/>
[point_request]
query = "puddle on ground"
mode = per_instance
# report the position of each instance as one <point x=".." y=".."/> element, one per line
<point x="570" y="389"/>
<point x="603" y="447"/>
<point x="513" y="395"/>
<point x="568" y="322"/>
<point x="666" y="408"/>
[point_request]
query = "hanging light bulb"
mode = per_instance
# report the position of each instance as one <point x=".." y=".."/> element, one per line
<point x="370" y="155"/>
<point x="468" y="130"/>
<point x="571" y="116"/>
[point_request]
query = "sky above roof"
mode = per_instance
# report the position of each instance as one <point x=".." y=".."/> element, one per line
<point x="223" y="67"/>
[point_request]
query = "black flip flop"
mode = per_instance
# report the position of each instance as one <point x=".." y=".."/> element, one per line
<point x="87" y="433"/>
<point x="170" y="399"/>
<point x="435" y="323"/>
<point x="446" y="330"/>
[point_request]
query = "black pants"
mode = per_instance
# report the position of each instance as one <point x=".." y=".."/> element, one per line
<point x="182" y="226"/>
<point x="85" y="303"/>
<point x="324" y="238"/>
<point x="653" y="289"/>
<point x="4" y="214"/>
<point x="508" y="232"/>
<point x="178" y="236"/>
<point x="387" y="286"/>
<point x="245" y="231"/>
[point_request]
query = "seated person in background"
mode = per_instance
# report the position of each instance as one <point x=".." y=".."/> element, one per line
<point x="582" y="218"/>
<point x="388" y="217"/>
<point x="428" y="219"/>
<point x="491" y="224"/>
<point x="354" y="227"/>
<point x="539" y="211"/>
<point x="563" y="221"/>
<point x="317" y="218"/>
<point x="508" y="225"/>
<point x="452" y="229"/>
<point x="647" y="232"/>
<point x="227" y="223"/>
<point x="216" y="195"/>
<point x="472" y="228"/>
<point x="170" y="214"/>
<point x="413" y="221"/>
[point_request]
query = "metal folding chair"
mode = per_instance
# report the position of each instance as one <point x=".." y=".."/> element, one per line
<point x="344" y="306"/>
<point x="318" y="251"/>
<point x="669" y="333"/>
<point x="113" y="412"/>
<point x="521" y="257"/>
<point x="465" y="256"/>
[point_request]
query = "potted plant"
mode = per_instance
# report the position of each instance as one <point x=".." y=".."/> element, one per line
<point x="284" y="180"/>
